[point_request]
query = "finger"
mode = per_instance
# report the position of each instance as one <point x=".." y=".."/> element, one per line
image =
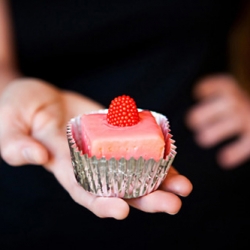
<point x="16" y="143"/>
<point x="103" y="207"/>
<point x="235" y="153"/>
<point x="60" y="165"/>
<point x="157" y="201"/>
<point x="211" y="86"/>
<point x="218" y="131"/>
<point x="18" y="147"/>
<point x="160" y="201"/>
<point x="177" y="184"/>
<point x="206" y="113"/>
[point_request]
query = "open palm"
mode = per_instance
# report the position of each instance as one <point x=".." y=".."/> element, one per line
<point x="34" y="115"/>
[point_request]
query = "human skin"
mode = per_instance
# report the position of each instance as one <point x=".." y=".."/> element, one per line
<point x="33" y="116"/>
<point x="33" y="128"/>
<point x="222" y="112"/>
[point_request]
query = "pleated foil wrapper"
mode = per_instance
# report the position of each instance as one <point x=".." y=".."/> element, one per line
<point x="119" y="177"/>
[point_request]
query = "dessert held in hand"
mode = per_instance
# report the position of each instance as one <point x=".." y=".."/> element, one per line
<point x="121" y="151"/>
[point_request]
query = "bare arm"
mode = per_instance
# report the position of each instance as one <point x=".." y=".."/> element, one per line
<point x="34" y="124"/>
<point x="8" y="65"/>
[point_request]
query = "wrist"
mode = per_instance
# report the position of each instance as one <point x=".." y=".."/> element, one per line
<point x="7" y="76"/>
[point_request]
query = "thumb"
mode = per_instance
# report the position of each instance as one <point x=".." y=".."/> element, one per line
<point x="18" y="147"/>
<point x="17" y="109"/>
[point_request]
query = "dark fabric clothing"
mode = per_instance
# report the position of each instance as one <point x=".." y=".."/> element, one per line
<point x="154" y="51"/>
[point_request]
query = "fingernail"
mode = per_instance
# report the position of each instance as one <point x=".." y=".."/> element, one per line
<point x="28" y="155"/>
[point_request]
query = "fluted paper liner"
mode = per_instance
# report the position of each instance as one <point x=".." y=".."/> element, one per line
<point x="119" y="178"/>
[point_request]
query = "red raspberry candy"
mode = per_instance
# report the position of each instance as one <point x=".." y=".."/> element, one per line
<point x="123" y="112"/>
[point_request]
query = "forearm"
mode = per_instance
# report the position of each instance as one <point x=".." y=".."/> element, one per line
<point x="7" y="74"/>
<point x="8" y="63"/>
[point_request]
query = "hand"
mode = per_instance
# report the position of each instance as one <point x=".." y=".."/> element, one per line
<point x="33" y="118"/>
<point x="222" y="112"/>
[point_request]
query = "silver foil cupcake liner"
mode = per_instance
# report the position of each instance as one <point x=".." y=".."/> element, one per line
<point x="119" y="178"/>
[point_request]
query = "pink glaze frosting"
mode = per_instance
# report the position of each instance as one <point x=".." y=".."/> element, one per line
<point x="103" y="140"/>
